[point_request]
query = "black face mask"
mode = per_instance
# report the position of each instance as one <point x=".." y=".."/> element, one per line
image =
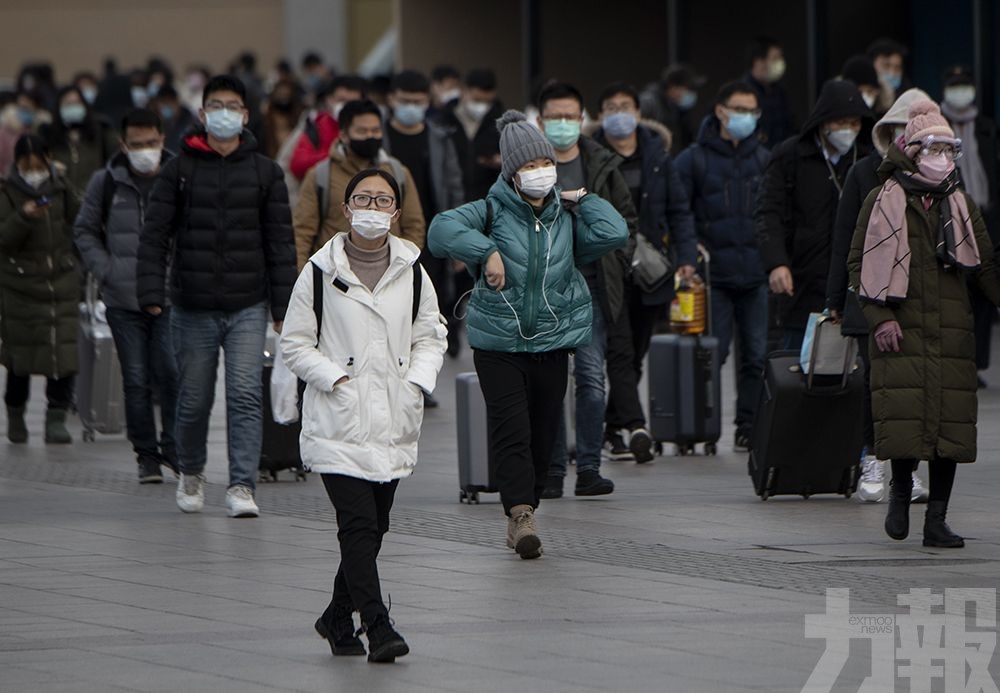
<point x="367" y="148"/>
<point x="283" y="105"/>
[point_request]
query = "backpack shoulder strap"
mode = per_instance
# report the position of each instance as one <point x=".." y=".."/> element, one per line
<point x="312" y="132"/>
<point x="265" y="179"/>
<point x="107" y="195"/>
<point x="185" y="173"/>
<point x="317" y="298"/>
<point x="418" y="282"/>
<point x="322" y="180"/>
<point x="699" y="161"/>
<point x="488" y="226"/>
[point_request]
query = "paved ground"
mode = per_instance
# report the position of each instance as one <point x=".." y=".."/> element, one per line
<point x="680" y="581"/>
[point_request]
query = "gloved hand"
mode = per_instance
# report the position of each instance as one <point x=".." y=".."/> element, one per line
<point x="888" y="335"/>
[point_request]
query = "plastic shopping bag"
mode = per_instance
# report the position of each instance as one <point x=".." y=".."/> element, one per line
<point x="284" y="390"/>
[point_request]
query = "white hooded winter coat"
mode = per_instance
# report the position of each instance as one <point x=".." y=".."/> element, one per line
<point x="367" y="427"/>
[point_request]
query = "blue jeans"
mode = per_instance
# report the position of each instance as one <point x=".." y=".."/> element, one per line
<point x="746" y="309"/>
<point x="197" y="336"/>
<point x="588" y="376"/>
<point x="147" y="359"/>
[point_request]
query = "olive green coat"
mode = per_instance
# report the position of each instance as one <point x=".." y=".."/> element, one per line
<point x="39" y="281"/>
<point x="924" y="397"/>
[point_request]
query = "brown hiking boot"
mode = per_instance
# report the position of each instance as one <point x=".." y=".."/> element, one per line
<point x="522" y="535"/>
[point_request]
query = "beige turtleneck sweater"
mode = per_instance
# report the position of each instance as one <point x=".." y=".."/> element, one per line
<point x="368" y="265"/>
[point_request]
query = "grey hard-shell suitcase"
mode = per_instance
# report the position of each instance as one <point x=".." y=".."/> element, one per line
<point x="475" y="469"/>
<point x="100" y="397"/>
<point x="685" y="394"/>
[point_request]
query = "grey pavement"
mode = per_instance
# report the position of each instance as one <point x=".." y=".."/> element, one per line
<point x="682" y="580"/>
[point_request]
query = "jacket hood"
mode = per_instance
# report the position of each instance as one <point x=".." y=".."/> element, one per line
<point x="898" y="114"/>
<point x="895" y="160"/>
<point x="710" y="135"/>
<point x="837" y="99"/>
<point x="197" y="143"/>
<point x="332" y="259"/>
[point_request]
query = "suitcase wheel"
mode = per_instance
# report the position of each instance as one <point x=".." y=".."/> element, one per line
<point x="764" y="495"/>
<point x="300" y="475"/>
<point x="470" y="497"/>
<point x="658" y="449"/>
<point x="88" y="436"/>
<point x="685" y="449"/>
<point x="711" y="449"/>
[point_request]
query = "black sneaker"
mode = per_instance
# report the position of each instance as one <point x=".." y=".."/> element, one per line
<point x="384" y="643"/>
<point x="149" y="471"/>
<point x="553" y="488"/>
<point x="741" y="443"/>
<point x="640" y="444"/>
<point x="336" y="626"/>
<point x="616" y="449"/>
<point x="593" y="484"/>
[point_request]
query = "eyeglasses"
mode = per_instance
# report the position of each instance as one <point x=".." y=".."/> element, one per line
<point x="219" y="105"/>
<point x="381" y="201"/>
<point x="951" y="149"/>
<point x="740" y="110"/>
<point x="619" y="107"/>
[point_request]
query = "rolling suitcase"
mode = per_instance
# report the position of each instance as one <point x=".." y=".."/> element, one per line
<point x="475" y="468"/>
<point x="100" y="397"/>
<point x="685" y="394"/>
<point x="279" y="448"/>
<point x="806" y="438"/>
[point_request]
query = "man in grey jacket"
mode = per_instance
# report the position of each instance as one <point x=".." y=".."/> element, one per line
<point x="428" y="151"/>
<point x="107" y="236"/>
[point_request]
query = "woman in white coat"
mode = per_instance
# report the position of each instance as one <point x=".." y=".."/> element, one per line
<point x="378" y="348"/>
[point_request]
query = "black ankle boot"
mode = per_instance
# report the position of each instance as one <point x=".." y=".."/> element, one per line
<point x="897" y="520"/>
<point x="336" y="626"/>
<point x="936" y="530"/>
<point x="384" y="643"/>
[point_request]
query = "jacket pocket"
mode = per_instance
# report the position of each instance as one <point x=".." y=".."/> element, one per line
<point x="407" y="413"/>
<point x="333" y="416"/>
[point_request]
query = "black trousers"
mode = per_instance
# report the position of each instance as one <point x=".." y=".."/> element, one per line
<point x="628" y="344"/>
<point x="940" y="480"/>
<point x="58" y="391"/>
<point x="524" y="400"/>
<point x="362" y="520"/>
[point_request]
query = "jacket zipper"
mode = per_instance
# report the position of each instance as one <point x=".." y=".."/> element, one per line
<point x="529" y="294"/>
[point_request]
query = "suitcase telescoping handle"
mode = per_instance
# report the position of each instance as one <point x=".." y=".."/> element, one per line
<point x="90" y="297"/>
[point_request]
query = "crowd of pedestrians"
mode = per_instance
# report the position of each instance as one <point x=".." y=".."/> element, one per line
<point x="193" y="201"/>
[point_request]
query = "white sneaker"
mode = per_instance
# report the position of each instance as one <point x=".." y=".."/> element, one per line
<point x="191" y="493"/>
<point x="871" y="489"/>
<point x="920" y="492"/>
<point x="240" y="502"/>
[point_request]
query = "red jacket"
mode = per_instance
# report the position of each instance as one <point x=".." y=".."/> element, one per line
<point x="314" y="144"/>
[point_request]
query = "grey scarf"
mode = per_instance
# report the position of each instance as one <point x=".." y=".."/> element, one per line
<point x="970" y="165"/>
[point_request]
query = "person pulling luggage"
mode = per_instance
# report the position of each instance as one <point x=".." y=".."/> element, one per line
<point x="530" y="306"/>
<point x="916" y="240"/>
<point x="375" y="350"/>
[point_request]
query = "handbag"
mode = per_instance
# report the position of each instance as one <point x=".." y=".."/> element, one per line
<point x="825" y="351"/>
<point x="651" y="268"/>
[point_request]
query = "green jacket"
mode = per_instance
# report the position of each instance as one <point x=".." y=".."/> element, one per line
<point x="39" y="281"/>
<point x="545" y="304"/>
<point x="924" y="397"/>
<point x="600" y="166"/>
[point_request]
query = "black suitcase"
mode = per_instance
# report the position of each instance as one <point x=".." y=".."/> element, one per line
<point x="685" y="394"/>
<point x="279" y="448"/>
<point x="806" y="440"/>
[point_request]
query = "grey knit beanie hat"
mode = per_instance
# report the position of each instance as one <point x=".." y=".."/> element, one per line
<point x="520" y="142"/>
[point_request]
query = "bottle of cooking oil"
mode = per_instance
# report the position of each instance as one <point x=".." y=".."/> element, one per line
<point x="689" y="309"/>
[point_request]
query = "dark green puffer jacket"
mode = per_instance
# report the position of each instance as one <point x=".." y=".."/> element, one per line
<point x="39" y="280"/>
<point x="537" y="291"/>
<point x="924" y="397"/>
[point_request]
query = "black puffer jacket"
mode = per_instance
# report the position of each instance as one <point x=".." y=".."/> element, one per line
<point x="228" y="223"/>
<point x="798" y="201"/>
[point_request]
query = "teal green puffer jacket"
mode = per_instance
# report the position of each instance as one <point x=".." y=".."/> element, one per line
<point x="548" y="310"/>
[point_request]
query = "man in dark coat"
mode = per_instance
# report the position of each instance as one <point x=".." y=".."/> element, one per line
<point x="223" y="208"/>
<point x="722" y="173"/>
<point x="798" y="202"/>
<point x="767" y="68"/>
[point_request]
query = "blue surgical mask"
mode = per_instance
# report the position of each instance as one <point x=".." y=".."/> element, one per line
<point x="224" y="124"/>
<point x="688" y="100"/>
<point x="73" y="113"/>
<point x="741" y="125"/>
<point x="26" y="116"/>
<point x="563" y="134"/>
<point x="894" y="81"/>
<point x="620" y="125"/>
<point x="167" y="112"/>
<point x="409" y="114"/>
<point x="140" y="97"/>
<point x="89" y="94"/>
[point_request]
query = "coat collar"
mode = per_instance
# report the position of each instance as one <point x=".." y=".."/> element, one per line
<point x="332" y="259"/>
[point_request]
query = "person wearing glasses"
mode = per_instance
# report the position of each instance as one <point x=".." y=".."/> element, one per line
<point x="377" y="350"/>
<point x="218" y="217"/>
<point x="721" y="173"/>
<point x="918" y="239"/>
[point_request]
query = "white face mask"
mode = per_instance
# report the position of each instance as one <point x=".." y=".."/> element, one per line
<point x="869" y="99"/>
<point x="450" y="95"/>
<point x="34" y="178"/>
<point x="370" y="224"/>
<point x="538" y="182"/>
<point x="478" y="109"/>
<point x="842" y="140"/>
<point x="960" y="97"/>
<point x="144" y="161"/>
